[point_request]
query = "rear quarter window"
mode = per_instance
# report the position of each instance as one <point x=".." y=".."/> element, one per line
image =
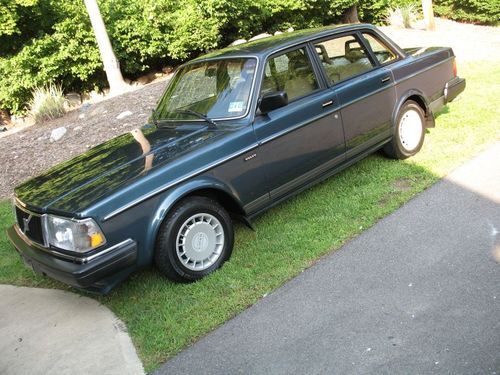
<point x="383" y="54"/>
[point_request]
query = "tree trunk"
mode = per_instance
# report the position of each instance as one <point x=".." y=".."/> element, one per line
<point x="111" y="64"/>
<point x="430" y="24"/>
<point x="350" y="15"/>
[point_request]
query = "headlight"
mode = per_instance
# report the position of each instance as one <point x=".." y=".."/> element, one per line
<point x="73" y="235"/>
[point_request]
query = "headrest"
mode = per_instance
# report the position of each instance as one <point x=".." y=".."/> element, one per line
<point x="297" y="61"/>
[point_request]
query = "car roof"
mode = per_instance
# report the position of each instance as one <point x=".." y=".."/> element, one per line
<point x="268" y="45"/>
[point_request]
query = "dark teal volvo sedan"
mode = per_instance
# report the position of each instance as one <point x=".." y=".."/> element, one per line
<point x="236" y="132"/>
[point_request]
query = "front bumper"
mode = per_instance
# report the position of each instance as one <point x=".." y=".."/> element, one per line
<point x="98" y="273"/>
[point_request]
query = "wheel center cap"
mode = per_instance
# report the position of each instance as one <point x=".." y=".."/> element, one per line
<point x="200" y="242"/>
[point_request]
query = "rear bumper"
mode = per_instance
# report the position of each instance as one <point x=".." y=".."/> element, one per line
<point x="95" y="274"/>
<point x="451" y="90"/>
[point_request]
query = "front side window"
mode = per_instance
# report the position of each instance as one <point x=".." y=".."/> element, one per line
<point x="291" y="72"/>
<point x="216" y="89"/>
<point x="381" y="51"/>
<point x="343" y="58"/>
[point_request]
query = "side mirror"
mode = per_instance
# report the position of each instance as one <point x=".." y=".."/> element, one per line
<point x="273" y="101"/>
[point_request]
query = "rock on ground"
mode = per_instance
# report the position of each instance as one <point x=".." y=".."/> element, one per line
<point x="123" y="115"/>
<point x="57" y="134"/>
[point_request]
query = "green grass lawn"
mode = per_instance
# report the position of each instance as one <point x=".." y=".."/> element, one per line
<point x="163" y="317"/>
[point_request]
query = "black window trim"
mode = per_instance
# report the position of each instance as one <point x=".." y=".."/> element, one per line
<point x="353" y="33"/>
<point x="323" y="80"/>
<point x="322" y="85"/>
<point x="384" y="43"/>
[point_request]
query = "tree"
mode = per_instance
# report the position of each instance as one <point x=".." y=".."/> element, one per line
<point x="350" y="15"/>
<point x="430" y="24"/>
<point x="111" y="64"/>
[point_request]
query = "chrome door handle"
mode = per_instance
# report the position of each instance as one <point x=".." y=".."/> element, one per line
<point x="326" y="104"/>
<point x="385" y="79"/>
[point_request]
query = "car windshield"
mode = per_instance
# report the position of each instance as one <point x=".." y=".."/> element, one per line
<point x="215" y="89"/>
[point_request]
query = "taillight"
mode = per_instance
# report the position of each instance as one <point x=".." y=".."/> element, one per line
<point x="454" y="68"/>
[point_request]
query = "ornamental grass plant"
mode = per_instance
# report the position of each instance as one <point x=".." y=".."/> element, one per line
<point x="47" y="103"/>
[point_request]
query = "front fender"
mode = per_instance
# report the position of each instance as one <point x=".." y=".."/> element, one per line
<point x="175" y="194"/>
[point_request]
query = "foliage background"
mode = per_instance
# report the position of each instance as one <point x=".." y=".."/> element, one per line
<point x="44" y="41"/>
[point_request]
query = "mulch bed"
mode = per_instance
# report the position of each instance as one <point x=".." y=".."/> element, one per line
<point x="29" y="152"/>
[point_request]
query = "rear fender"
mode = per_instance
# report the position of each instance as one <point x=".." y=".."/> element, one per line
<point x="419" y="97"/>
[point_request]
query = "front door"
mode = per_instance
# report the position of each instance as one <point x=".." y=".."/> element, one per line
<point x="305" y="138"/>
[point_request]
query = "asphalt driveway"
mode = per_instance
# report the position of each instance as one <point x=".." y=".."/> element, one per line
<point x="419" y="292"/>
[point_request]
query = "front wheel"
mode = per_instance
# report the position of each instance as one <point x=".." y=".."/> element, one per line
<point x="409" y="133"/>
<point x="194" y="240"/>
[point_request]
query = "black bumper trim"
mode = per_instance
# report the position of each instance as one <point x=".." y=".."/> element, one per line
<point x="451" y="90"/>
<point x="95" y="276"/>
<point x="454" y="87"/>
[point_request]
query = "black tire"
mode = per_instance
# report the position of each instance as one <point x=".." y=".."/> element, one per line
<point x="396" y="148"/>
<point x="167" y="258"/>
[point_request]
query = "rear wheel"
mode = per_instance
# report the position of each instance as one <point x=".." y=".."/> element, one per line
<point x="194" y="240"/>
<point x="409" y="133"/>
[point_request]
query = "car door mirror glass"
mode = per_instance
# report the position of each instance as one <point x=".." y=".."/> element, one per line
<point x="272" y="101"/>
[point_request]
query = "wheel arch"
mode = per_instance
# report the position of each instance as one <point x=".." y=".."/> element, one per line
<point x="205" y="186"/>
<point x="419" y="98"/>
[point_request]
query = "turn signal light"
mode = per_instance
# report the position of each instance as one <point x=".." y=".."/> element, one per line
<point x="96" y="239"/>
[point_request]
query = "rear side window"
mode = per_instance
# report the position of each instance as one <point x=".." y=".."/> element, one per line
<point x="343" y="57"/>
<point x="381" y="51"/>
<point x="291" y="72"/>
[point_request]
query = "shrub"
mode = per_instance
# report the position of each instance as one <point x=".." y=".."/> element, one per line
<point x="409" y="15"/>
<point x="47" y="103"/>
<point x="52" y="41"/>
<point x="67" y="55"/>
<point x="476" y="11"/>
<point x="401" y="16"/>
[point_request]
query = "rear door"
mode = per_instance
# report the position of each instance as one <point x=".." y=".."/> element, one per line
<point x="364" y="87"/>
<point x="304" y="139"/>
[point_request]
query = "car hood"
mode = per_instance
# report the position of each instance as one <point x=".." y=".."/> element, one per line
<point x="77" y="183"/>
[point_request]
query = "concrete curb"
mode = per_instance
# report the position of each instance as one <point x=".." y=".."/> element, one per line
<point x="46" y="331"/>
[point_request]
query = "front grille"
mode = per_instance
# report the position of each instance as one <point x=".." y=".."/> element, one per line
<point x="30" y="224"/>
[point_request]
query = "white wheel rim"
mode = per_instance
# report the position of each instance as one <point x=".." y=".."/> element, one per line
<point x="410" y="129"/>
<point x="200" y="241"/>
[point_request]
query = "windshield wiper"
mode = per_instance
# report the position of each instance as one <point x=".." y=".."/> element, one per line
<point x="156" y="121"/>
<point x="212" y="123"/>
<point x="154" y="118"/>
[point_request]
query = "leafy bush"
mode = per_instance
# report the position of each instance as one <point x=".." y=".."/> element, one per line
<point x="21" y="21"/>
<point x="477" y="11"/>
<point x="47" y="103"/>
<point x="52" y="41"/>
<point x="67" y="55"/>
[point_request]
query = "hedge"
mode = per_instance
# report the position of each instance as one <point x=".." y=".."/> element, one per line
<point x="43" y="41"/>
<point x="485" y="12"/>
